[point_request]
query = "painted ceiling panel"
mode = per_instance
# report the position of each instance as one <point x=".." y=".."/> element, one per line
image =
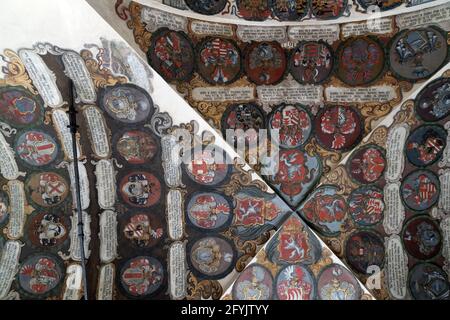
<point x="356" y="206"/>
<point x="156" y="223"/>
<point x="326" y="86"/>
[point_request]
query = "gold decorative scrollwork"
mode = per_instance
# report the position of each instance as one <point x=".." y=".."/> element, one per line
<point x="324" y="261"/>
<point x="242" y="178"/>
<point x="329" y="158"/>
<point x="379" y="136"/>
<point x="204" y="289"/>
<point x="248" y="248"/>
<point x="140" y="33"/>
<point x="405" y="86"/>
<point x="101" y="77"/>
<point x="262" y="259"/>
<point x="335" y="245"/>
<point x="339" y="177"/>
<point x="406" y="114"/>
<point x="373" y="113"/>
<point x="15" y="72"/>
<point x="191" y="127"/>
<point x="446" y="74"/>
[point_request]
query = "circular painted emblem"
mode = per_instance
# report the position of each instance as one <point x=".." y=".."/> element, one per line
<point x="208" y="7"/>
<point x="337" y="283"/>
<point x="127" y="103"/>
<point x="140" y="189"/>
<point x="363" y="250"/>
<point x="143" y="230"/>
<point x="36" y="148"/>
<point x="4" y="207"/>
<point x="38" y="275"/>
<point x="137" y="147"/>
<point x="47" y="189"/>
<point x="208" y="167"/>
<point x="142" y="276"/>
<point x="209" y="211"/>
<point x="289" y="10"/>
<point x="428" y="282"/>
<point x="265" y="63"/>
<point x="254" y="283"/>
<point x="426" y="144"/>
<point x="422" y="237"/>
<point x="330" y="9"/>
<point x="172" y="55"/>
<point x="326" y="210"/>
<point x="295" y="282"/>
<point x="366" y="205"/>
<point x="361" y="61"/>
<point x="311" y="62"/>
<point x="417" y="54"/>
<point x="19" y="107"/>
<point x="292" y="10"/>
<point x="420" y="190"/>
<point x="382" y="5"/>
<point x="338" y="128"/>
<point x="219" y="61"/>
<point x="433" y="102"/>
<point x="254" y="10"/>
<point x="367" y="164"/>
<point x="48" y="230"/>
<point x="212" y="257"/>
<point x="296" y="174"/>
<point x="294" y="125"/>
<point x="245" y="116"/>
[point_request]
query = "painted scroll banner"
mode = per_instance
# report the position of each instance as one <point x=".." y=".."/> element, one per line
<point x="445" y="227"/>
<point x="108" y="236"/>
<point x="445" y="161"/>
<point x="97" y="131"/>
<point x="156" y="19"/>
<point x="171" y="161"/>
<point x="105" y="289"/>
<point x="204" y="28"/>
<point x="106" y="184"/>
<point x="43" y="78"/>
<point x="77" y="71"/>
<point x="8" y="164"/>
<point x="396" y="267"/>
<point x="17" y="215"/>
<point x="394" y="213"/>
<point x="381" y="26"/>
<point x="444" y="196"/>
<point x="214" y="94"/>
<point x="289" y="92"/>
<point x="73" y="282"/>
<point x="61" y="123"/>
<point x="75" y="252"/>
<point x="175" y="214"/>
<point x="9" y="264"/>
<point x="177" y="271"/>
<point x="394" y="152"/>
<point x="435" y="15"/>
<point x="84" y="185"/>
<point x="378" y="94"/>
<point x="256" y="33"/>
<point x="328" y="33"/>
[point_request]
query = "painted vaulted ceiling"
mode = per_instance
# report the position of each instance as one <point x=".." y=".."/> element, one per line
<point x="102" y="102"/>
